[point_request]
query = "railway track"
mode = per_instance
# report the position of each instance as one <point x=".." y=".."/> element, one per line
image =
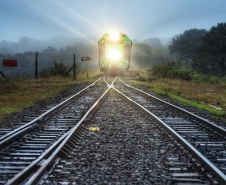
<point x="208" y="138"/>
<point x="132" y="146"/>
<point x="128" y="149"/>
<point x="26" y="143"/>
<point x="32" y="113"/>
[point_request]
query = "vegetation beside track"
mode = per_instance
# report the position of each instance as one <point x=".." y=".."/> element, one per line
<point x="17" y="94"/>
<point x="197" y="94"/>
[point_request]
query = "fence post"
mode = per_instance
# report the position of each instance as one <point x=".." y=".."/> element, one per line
<point x="74" y="67"/>
<point x="36" y="65"/>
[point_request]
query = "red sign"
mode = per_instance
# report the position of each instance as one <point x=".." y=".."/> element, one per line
<point x="9" y="63"/>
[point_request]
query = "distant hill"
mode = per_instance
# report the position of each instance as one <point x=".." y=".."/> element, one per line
<point x="29" y="44"/>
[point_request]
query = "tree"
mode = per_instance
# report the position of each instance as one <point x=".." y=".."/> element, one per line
<point x="214" y="44"/>
<point x="154" y="42"/>
<point x="186" y="45"/>
<point x="141" y="55"/>
<point x="50" y="50"/>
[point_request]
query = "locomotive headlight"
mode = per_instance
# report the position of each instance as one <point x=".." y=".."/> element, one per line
<point x="114" y="36"/>
<point x="113" y="54"/>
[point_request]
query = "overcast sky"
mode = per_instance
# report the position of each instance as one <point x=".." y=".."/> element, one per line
<point x="139" y="19"/>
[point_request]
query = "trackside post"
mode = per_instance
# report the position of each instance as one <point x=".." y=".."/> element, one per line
<point x="74" y="67"/>
<point x="36" y="65"/>
<point x="85" y="59"/>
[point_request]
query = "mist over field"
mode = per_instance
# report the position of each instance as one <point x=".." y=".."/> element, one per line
<point x="25" y="43"/>
<point x="61" y="49"/>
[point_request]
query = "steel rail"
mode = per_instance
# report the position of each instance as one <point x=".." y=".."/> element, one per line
<point x="8" y="137"/>
<point x="212" y="168"/>
<point x="41" y="164"/>
<point x="211" y="125"/>
<point x="34" y="165"/>
<point x="105" y="81"/>
<point x="112" y="84"/>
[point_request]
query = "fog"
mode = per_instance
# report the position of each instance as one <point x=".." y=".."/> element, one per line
<point x="62" y="48"/>
<point x="26" y="44"/>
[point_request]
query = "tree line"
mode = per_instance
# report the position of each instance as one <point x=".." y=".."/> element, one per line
<point x="204" y="50"/>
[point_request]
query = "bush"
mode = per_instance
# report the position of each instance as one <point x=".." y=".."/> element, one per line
<point x="175" y="71"/>
<point x="7" y="86"/>
<point x="59" y="69"/>
<point x="214" y="79"/>
<point x="171" y="70"/>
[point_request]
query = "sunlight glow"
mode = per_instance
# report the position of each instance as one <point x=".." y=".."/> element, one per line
<point x="72" y="13"/>
<point x="113" y="54"/>
<point x="70" y="29"/>
<point x="114" y="36"/>
<point x="61" y="23"/>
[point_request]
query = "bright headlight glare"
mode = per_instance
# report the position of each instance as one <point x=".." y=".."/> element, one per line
<point x="113" y="54"/>
<point x="114" y="36"/>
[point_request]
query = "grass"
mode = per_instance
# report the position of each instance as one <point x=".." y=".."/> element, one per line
<point x="98" y="84"/>
<point x="176" y="71"/>
<point x="92" y="74"/>
<point x="17" y="94"/>
<point x="192" y="103"/>
<point x="200" y="95"/>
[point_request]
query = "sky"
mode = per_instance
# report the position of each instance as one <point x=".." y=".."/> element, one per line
<point x="139" y="19"/>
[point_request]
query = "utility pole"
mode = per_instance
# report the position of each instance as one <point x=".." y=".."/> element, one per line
<point x="74" y="67"/>
<point x="36" y="65"/>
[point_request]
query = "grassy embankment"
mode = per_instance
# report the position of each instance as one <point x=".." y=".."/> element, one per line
<point x="21" y="93"/>
<point x="197" y="94"/>
<point x="18" y="94"/>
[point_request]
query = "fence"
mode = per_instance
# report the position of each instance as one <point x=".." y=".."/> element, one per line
<point x="30" y="64"/>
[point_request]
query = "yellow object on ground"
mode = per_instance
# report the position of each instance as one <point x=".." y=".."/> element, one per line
<point x="93" y="128"/>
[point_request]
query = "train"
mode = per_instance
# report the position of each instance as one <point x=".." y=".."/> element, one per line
<point x="114" y="53"/>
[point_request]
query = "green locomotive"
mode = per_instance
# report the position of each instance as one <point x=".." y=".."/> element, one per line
<point x="114" y="52"/>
